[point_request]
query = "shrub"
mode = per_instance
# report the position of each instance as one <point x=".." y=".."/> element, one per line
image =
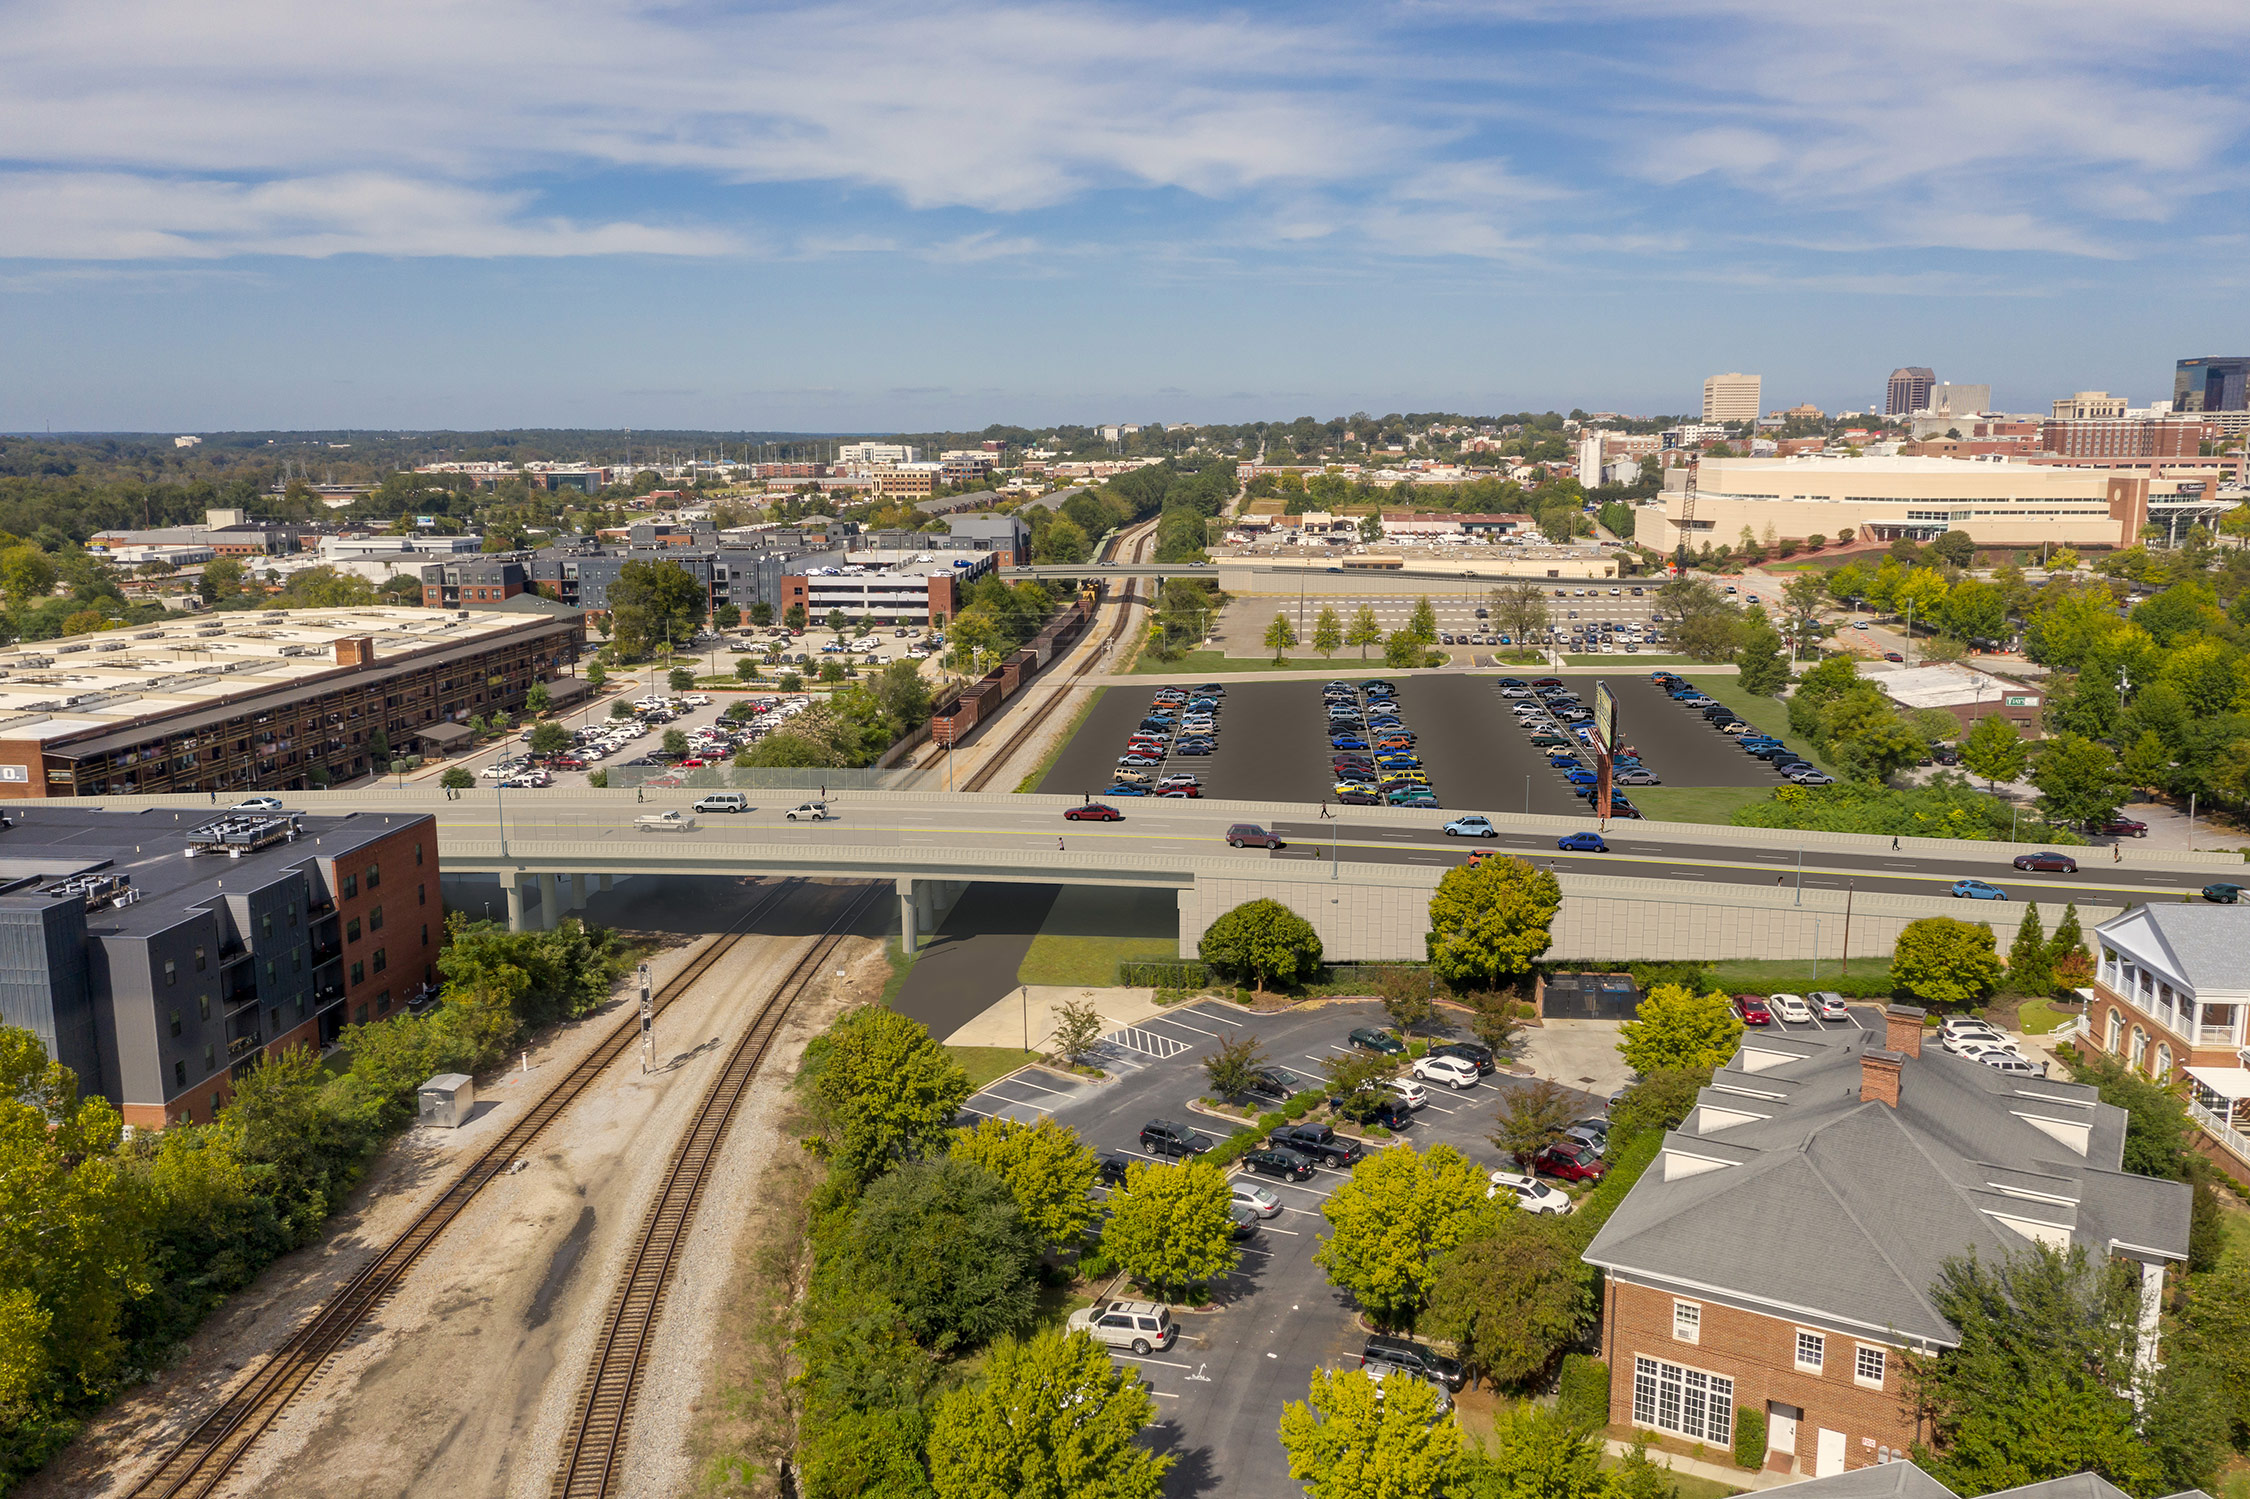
<point x="1582" y="1391"/>
<point x="1301" y="1104"/>
<point x="1749" y="1437"/>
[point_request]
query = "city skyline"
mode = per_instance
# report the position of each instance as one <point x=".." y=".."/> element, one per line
<point x="862" y="218"/>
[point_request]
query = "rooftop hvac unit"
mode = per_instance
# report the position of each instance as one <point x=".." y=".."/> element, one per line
<point x="64" y="650"/>
<point x="150" y="635"/>
<point x="110" y="645"/>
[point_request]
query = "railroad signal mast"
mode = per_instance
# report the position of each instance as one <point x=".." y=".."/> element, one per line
<point x="648" y="1021"/>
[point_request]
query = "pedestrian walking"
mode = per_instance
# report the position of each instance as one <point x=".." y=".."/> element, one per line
<point x="2117" y="853"/>
<point x="1058" y="843"/>
<point x="1894" y="843"/>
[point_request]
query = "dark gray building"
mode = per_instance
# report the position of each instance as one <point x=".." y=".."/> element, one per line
<point x="743" y="574"/>
<point x="158" y="954"/>
<point x="2210" y="384"/>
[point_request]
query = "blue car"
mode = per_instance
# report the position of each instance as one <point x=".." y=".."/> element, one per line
<point x="1347" y="742"/>
<point x="1580" y="777"/>
<point x="1582" y="843"/>
<point x="1564" y="762"/>
<point x="1976" y="890"/>
<point x="1125" y="788"/>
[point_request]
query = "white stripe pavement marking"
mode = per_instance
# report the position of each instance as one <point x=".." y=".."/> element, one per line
<point x="1292" y="1232"/>
<point x="1183" y="1025"/>
<point x="1221" y="1019"/>
<point x="1028" y="1083"/>
<point x="1142" y="1358"/>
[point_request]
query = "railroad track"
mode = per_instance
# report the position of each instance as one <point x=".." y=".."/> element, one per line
<point x="200" y="1463"/>
<point x="998" y="760"/>
<point x="594" y="1451"/>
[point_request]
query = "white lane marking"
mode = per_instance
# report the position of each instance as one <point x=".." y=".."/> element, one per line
<point x="1302" y="1212"/>
<point x="1183" y="1025"/>
<point x="1142" y="1358"/>
<point x="1439" y="1108"/>
<point x="1220" y="1019"/>
<point x="1293" y="1233"/>
<point x="1292" y="1186"/>
<point x="1028" y="1083"/>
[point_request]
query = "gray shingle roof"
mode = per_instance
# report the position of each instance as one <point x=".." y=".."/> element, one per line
<point x="1866" y="1202"/>
<point x="2207" y="942"/>
<point x="1899" y="1480"/>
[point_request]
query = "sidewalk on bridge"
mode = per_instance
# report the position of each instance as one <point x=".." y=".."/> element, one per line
<point x="1031" y="1010"/>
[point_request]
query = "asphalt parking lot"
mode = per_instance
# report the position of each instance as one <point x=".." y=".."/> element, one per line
<point x="1240" y="629"/>
<point x="1273" y="742"/>
<point x="1221" y="1386"/>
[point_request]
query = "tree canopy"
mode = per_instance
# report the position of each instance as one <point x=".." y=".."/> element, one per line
<point x="1491" y="922"/>
<point x="1388" y="1223"/>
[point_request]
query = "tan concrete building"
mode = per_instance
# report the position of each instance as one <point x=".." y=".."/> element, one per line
<point x="2089" y="406"/>
<point x="1999" y="503"/>
<point x="1731" y="398"/>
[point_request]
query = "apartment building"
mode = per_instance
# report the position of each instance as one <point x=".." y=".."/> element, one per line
<point x="2089" y="406"/>
<point x="890" y="588"/>
<point x="160" y="958"/>
<point x="2122" y="437"/>
<point x="473" y="584"/>
<point x="907" y="481"/>
<point x="275" y="701"/>
<point x="1780" y="1254"/>
<point x="1731" y="398"/>
<point x="2171" y="990"/>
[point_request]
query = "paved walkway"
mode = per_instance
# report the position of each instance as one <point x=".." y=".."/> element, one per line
<point x="1033" y="1009"/>
<point x="1726" y="1473"/>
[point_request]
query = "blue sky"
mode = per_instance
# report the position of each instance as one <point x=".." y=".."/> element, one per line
<point x="899" y="216"/>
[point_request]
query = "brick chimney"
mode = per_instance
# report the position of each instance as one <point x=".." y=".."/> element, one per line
<point x="355" y="650"/>
<point x="1902" y="1030"/>
<point x="1878" y="1076"/>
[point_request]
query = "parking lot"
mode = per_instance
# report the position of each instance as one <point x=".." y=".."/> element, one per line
<point x="1220" y="1387"/>
<point x="1240" y="629"/>
<point x="1274" y="744"/>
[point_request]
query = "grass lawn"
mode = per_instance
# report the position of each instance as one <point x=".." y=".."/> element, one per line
<point x="1870" y="977"/>
<point x="1477" y="1413"/>
<point x="1693" y="803"/>
<point x="984" y="1063"/>
<point x="1211" y="661"/>
<point x="1768" y="713"/>
<point x="1090" y="962"/>
<point x="2036" y="1017"/>
<point x="1054" y="751"/>
<point x="901" y="966"/>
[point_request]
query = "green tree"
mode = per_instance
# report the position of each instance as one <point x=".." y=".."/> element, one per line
<point x="2028" y="969"/>
<point x="1659" y="1100"/>
<point x="1280" y="638"/>
<point x="679" y="679"/>
<point x="1355" y="1077"/>
<point x="538" y="699"/>
<point x="1352" y="1439"/>
<point x="1169" y="1227"/>
<point x="726" y="616"/>
<point x="1328" y="632"/>
<point x="28" y="575"/>
<point x="675" y="743"/>
<point x="2069" y="938"/>
<point x="549" y="739"/>
<point x="1941" y="961"/>
<point x="1366" y="630"/>
<point x="1403" y="650"/>
<point x="2146" y="763"/>
<point x="1519" y="610"/>
<point x="1048" y="1168"/>
<point x="1994" y="749"/>
<point x="457" y="778"/>
<point x="1053" y="1417"/>
<point x="1512" y="1296"/>
<point x="2078" y="780"/>
<point x="1533" y="1117"/>
<point x="746" y="668"/>
<point x="2042" y="1383"/>
<point x="893" y="1091"/>
<point x="1423" y="624"/>
<point x="1492" y="922"/>
<point x="1264" y="940"/>
<point x="945" y="1241"/>
<point x="597" y="676"/>
<point x="1761" y="667"/>
<point x="1680" y="1030"/>
<point x="761" y="614"/>
<point x="653" y="602"/>
<point x="1390" y="1221"/>
<point x="1063" y="541"/>
<point x="1233" y="1064"/>
<point x="1539" y="1453"/>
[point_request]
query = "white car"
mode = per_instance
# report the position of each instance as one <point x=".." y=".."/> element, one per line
<point x="1451" y="1071"/>
<point x="810" y="812"/>
<point x="1962" y="1042"/>
<point x="1977" y="1051"/>
<point x="1957" y="1024"/>
<point x="1407" y="1092"/>
<point x="1143" y="1326"/>
<point x="2012" y="1064"/>
<point x="1260" y="1200"/>
<point x="258" y="804"/>
<point x="1531" y="1194"/>
<point x="1790" y="1007"/>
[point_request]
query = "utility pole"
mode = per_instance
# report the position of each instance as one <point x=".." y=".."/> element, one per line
<point x="648" y="1022"/>
<point x="1845" y="970"/>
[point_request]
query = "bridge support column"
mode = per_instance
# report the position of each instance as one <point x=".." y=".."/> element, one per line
<point x="909" y="913"/>
<point x="925" y="905"/>
<point x="605" y="884"/>
<point x="578" y="892"/>
<point x="512" y="886"/>
<point x="549" y="899"/>
<point x="1191" y="924"/>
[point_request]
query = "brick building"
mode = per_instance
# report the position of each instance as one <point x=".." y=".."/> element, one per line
<point x="2171" y="999"/>
<point x="472" y="584"/>
<point x="1780" y="1253"/>
<point x="2123" y="437"/>
<point x="160" y="957"/>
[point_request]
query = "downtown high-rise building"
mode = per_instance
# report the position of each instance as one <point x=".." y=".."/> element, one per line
<point x="1909" y="390"/>
<point x="2211" y="384"/>
<point x="1731" y="398"/>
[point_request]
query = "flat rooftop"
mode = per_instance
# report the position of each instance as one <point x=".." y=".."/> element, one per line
<point x="1945" y="686"/>
<point x="49" y="688"/>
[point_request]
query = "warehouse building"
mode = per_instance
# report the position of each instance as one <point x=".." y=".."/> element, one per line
<point x="159" y="955"/>
<point x="276" y="701"/>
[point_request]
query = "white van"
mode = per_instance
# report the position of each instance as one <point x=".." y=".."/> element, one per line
<point x="723" y="801"/>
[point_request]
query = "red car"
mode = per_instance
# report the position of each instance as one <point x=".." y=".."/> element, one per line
<point x="1751" y="1009"/>
<point x="1181" y="791"/>
<point x="1094" y="812"/>
<point x="1571" y="1161"/>
<point x="2123" y="827"/>
<point x="1892" y="656"/>
<point x="566" y="762"/>
<point x="2052" y="863"/>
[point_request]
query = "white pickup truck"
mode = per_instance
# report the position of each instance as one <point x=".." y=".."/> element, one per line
<point x="674" y="821"/>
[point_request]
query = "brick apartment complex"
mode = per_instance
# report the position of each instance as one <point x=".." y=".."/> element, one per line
<point x="276" y="701"/>
<point x="471" y="585"/>
<point x="160" y="957"/>
<point x="1779" y="1254"/>
<point x="2123" y="437"/>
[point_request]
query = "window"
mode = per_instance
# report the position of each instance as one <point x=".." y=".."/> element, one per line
<point x="1667" y="1397"/>
<point x="200" y="962"/>
<point x="2140" y="1045"/>
<point x="175" y="1022"/>
<point x="359" y="972"/>
<point x="383" y="1003"/>
<point x="209" y="1059"/>
<point x="375" y="919"/>
<point x="359" y="1015"/>
<point x="1869" y="1367"/>
<point x="179" y="1074"/>
<point x="2164" y="1060"/>
<point x="2116" y="1029"/>
<point x="1811" y="1349"/>
<point x="351" y="930"/>
<point x="171" y="972"/>
<point x="382" y="960"/>
<point x="351" y="886"/>
<point x="417" y="856"/>
<point x="203" y="1004"/>
<point x="425" y="934"/>
<point x="374" y="875"/>
<point x="292" y="913"/>
<point x="296" y="960"/>
<point x="421" y="895"/>
<point x="1687" y="1321"/>
<point x="265" y="923"/>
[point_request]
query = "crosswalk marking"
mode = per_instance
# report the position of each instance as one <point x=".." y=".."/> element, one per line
<point x="1147" y="1043"/>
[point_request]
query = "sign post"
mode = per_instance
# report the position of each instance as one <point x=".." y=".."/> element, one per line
<point x="648" y="1021"/>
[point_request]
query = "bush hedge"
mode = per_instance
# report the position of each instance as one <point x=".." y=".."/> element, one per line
<point x="1582" y="1390"/>
<point x="1749" y="1437"/>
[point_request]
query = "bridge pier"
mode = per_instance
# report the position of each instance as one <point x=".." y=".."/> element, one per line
<point x="909" y="914"/>
<point x="549" y="916"/>
<point x="605" y="884"/>
<point x="578" y="892"/>
<point x="512" y="886"/>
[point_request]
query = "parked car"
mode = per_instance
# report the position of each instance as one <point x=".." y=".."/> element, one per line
<point x="1827" y="1004"/>
<point x="1260" y="1200"/>
<point x="1164" y="1137"/>
<point x="1319" y="1141"/>
<point x="1417" y="1357"/>
<point x="2047" y="861"/>
<point x="1143" y="1326"/>
<point x="1408" y="1092"/>
<point x="257" y="804"/>
<point x="1375" y="1039"/>
<point x="1093" y="812"/>
<point x="1287" y="1164"/>
<point x="2121" y="827"/>
<point x="1966" y="889"/>
<point x="1378" y="1108"/>
<point x="1451" y="1071"/>
<point x="1790" y="1007"/>
<point x="1751" y="1009"/>
<point x="1276" y="1083"/>
<point x="1110" y="1169"/>
<point x="1571" y="1161"/>
<point x="1474" y="1053"/>
<point x="1531" y="1194"/>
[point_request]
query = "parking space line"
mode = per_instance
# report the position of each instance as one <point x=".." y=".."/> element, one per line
<point x="1140" y="1358"/>
<point x="1183" y="1025"/>
<point x="1439" y="1108"/>
<point x="1028" y="1083"/>
<point x="1221" y="1019"/>
<point x="1292" y="1186"/>
<point x="1292" y="1232"/>
<point x="1302" y="1212"/>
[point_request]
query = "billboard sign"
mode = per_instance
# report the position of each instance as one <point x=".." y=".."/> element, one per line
<point x="1605" y="719"/>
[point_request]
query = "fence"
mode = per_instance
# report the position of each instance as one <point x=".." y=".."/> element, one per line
<point x="760" y="778"/>
<point x="1164" y="973"/>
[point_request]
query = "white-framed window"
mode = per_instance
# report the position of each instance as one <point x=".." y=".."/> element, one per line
<point x="2116" y="1030"/>
<point x="2164" y="1061"/>
<point x="1812" y="1349"/>
<point x="1688" y="1402"/>
<point x="1687" y="1321"/>
<point x="1868" y="1367"/>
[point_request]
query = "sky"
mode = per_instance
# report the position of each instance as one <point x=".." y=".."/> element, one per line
<point x="861" y="215"/>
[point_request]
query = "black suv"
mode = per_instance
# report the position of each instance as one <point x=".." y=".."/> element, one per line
<point x="1474" y="1053"/>
<point x="1320" y="1142"/>
<point x="1408" y="1354"/>
<point x="1110" y="1171"/>
<point x="1384" y="1109"/>
<point x="1163" y="1137"/>
<point x="1276" y="1083"/>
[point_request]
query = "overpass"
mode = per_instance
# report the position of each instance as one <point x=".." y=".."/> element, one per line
<point x="1364" y="880"/>
<point x="1324" y="575"/>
